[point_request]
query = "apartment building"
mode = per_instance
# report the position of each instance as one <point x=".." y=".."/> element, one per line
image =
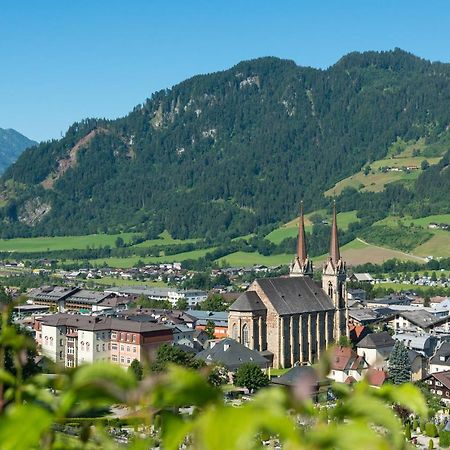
<point x="73" y="339"/>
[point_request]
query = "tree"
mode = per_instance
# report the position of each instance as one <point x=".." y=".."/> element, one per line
<point x="399" y="366"/>
<point x="424" y="164"/>
<point x="250" y="376"/>
<point x="426" y="301"/>
<point x="119" y="243"/>
<point x="218" y="375"/>
<point x="182" y="304"/>
<point x="210" y="329"/>
<point x="344" y="341"/>
<point x="171" y="354"/>
<point x="214" y="302"/>
<point x="136" y="369"/>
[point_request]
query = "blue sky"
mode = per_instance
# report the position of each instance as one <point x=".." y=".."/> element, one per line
<point x="62" y="61"/>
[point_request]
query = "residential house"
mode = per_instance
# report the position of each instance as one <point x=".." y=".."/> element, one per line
<point x="422" y="343"/>
<point x="440" y="362"/>
<point x="376" y="348"/>
<point x="439" y="384"/>
<point x="345" y="364"/>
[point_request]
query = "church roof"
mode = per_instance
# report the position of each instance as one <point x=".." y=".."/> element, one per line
<point x="295" y="295"/>
<point x="248" y="301"/>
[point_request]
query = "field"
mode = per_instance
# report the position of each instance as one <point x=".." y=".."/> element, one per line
<point x="165" y="239"/>
<point x="438" y="245"/>
<point x="243" y="259"/>
<point x="290" y="229"/>
<point x="400" y="154"/>
<point x="126" y="263"/>
<point x="43" y="244"/>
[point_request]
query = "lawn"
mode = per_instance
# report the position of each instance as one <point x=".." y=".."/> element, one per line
<point x="165" y="239"/>
<point x="290" y="229"/>
<point x="43" y="244"/>
<point x="131" y="261"/>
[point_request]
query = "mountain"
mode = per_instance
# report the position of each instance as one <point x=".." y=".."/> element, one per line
<point x="12" y="144"/>
<point x="225" y="153"/>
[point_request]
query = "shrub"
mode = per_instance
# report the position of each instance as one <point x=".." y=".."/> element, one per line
<point x="430" y="444"/>
<point x="408" y="431"/>
<point x="444" y="438"/>
<point x="431" y="430"/>
<point x="415" y="425"/>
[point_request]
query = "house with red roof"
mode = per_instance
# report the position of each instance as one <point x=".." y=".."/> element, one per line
<point x="347" y="365"/>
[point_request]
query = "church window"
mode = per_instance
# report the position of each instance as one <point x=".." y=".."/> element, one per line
<point x="245" y="335"/>
<point x="234" y="331"/>
<point x="330" y="289"/>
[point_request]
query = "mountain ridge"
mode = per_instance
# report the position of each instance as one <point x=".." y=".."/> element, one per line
<point x="12" y="144"/>
<point x="227" y="152"/>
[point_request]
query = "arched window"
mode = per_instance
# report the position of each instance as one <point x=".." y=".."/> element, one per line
<point x="245" y="340"/>
<point x="87" y="346"/>
<point x="330" y="289"/>
<point x="234" y="331"/>
<point x="51" y="341"/>
<point x="46" y="340"/>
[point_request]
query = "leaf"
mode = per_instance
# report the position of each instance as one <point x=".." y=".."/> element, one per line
<point x="22" y="427"/>
<point x="174" y="430"/>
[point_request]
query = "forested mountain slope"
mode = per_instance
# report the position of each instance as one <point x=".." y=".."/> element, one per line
<point x="226" y="152"/>
<point x="12" y="144"/>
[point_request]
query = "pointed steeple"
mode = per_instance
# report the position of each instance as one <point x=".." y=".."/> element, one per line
<point x="302" y="253"/>
<point x="301" y="265"/>
<point x="335" y="255"/>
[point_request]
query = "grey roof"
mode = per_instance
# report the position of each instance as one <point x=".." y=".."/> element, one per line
<point x="232" y="355"/>
<point x="97" y="323"/>
<point x="248" y="301"/>
<point x="417" y="341"/>
<point x="442" y="352"/>
<point x="420" y="317"/>
<point x="363" y="314"/>
<point x="376" y="340"/>
<point x="295" y="295"/>
<point x="297" y="375"/>
<point x="88" y="297"/>
<point x="51" y="293"/>
<point x="220" y="318"/>
<point x="412" y="355"/>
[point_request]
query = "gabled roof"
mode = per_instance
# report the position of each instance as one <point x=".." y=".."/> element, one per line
<point x="376" y="340"/>
<point x="345" y="358"/>
<point x="297" y="375"/>
<point x="420" y="318"/>
<point x="232" y="355"/>
<point x="443" y="377"/>
<point x="248" y="301"/>
<point x="442" y="355"/>
<point x="295" y="295"/>
<point x="376" y="377"/>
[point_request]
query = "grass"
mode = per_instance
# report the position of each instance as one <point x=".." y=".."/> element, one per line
<point x="290" y="229"/>
<point x="244" y="259"/>
<point x="400" y="154"/>
<point x="403" y="286"/>
<point x="165" y="239"/>
<point x="126" y="263"/>
<point x="43" y="244"/>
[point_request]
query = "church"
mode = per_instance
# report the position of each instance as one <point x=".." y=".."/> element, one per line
<point x="293" y="319"/>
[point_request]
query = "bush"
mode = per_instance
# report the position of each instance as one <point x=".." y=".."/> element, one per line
<point x="431" y="430"/>
<point x="430" y="444"/>
<point x="444" y="438"/>
<point x="415" y="425"/>
<point x="408" y="431"/>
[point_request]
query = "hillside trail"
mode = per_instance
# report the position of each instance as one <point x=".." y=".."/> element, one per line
<point x="419" y="258"/>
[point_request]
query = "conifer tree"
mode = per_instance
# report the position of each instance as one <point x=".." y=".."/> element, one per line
<point x="399" y="366"/>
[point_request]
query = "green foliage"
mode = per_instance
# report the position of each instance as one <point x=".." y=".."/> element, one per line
<point x="182" y="304"/>
<point x="444" y="439"/>
<point x="214" y="302"/>
<point x="250" y="376"/>
<point x="218" y="375"/>
<point x="430" y="444"/>
<point x="171" y="354"/>
<point x="136" y="369"/>
<point x="408" y="431"/>
<point x="431" y="430"/>
<point x="210" y="329"/>
<point x="344" y="341"/>
<point x="400" y="237"/>
<point x="399" y="365"/>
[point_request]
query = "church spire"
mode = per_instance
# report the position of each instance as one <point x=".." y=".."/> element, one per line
<point x="335" y="255"/>
<point x="301" y="265"/>
<point x="302" y="253"/>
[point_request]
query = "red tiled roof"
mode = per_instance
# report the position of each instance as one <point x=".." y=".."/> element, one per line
<point x="376" y="377"/>
<point x="350" y="380"/>
<point x="343" y="357"/>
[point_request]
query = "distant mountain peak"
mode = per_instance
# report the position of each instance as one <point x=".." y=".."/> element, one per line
<point x="12" y="144"/>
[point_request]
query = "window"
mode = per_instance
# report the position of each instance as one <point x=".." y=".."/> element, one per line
<point x="114" y="358"/>
<point x="82" y="346"/>
<point x="134" y="349"/>
<point x="245" y="335"/>
<point x="46" y="340"/>
<point x="88" y="346"/>
<point x="98" y="347"/>
<point x="51" y="342"/>
<point x="103" y="347"/>
<point x="61" y="342"/>
<point x="122" y="336"/>
<point x="113" y="346"/>
<point x="134" y="338"/>
<point x="61" y="332"/>
<point x="439" y="392"/>
<point x="234" y="331"/>
<point x="114" y="335"/>
<point x="128" y="360"/>
<point x="438" y="383"/>
<point x="61" y="355"/>
<point x="128" y="348"/>
<point x="128" y="337"/>
<point x="122" y="359"/>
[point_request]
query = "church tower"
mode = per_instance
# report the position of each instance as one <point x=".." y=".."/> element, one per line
<point x="302" y="265"/>
<point x="333" y="282"/>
